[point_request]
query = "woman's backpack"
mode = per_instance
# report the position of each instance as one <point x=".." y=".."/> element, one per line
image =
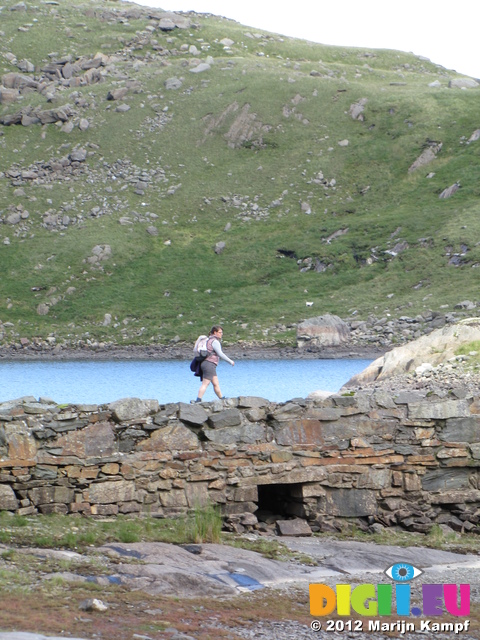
<point x="200" y="349"/>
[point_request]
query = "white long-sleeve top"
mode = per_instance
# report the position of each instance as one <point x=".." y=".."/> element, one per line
<point x="217" y="348"/>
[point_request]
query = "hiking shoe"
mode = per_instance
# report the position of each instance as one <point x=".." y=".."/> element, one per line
<point x="195" y="401"/>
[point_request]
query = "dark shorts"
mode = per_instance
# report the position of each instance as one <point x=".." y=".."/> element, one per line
<point x="209" y="370"/>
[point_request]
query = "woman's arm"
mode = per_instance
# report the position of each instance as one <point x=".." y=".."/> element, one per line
<point x="217" y="347"/>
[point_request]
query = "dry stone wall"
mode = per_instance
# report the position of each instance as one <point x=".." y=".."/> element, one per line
<point x="377" y="459"/>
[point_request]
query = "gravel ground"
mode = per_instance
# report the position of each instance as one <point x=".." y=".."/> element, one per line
<point x="288" y="629"/>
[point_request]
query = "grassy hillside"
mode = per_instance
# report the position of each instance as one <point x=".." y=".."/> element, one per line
<point x="293" y="154"/>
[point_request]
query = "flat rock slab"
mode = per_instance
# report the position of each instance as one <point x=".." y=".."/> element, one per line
<point x="213" y="569"/>
<point x="360" y="557"/>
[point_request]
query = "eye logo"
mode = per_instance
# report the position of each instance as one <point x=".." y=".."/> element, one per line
<point x="403" y="572"/>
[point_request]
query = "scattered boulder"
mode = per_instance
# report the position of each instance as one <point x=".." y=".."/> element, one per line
<point x="8" y="96"/>
<point x="43" y="309"/>
<point x="93" y="604"/>
<point x="463" y="83"/>
<point x="357" y="108"/>
<point x="173" y="83"/>
<point x="117" y="94"/>
<point x="203" y="66"/>
<point x="322" y="331"/>
<point x="449" y="191"/>
<point x="475" y="136"/>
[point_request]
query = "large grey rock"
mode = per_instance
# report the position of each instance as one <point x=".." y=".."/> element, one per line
<point x="439" y="410"/>
<point x="227" y="418"/>
<point x="8" y="501"/>
<point x="295" y="527"/>
<point x="203" y="66"/>
<point x="132" y="408"/>
<point x="434" y="348"/>
<point x="322" y="331"/>
<point x="461" y="430"/>
<point x="451" y="478"/>
<point x="463" y="83"/>
<point x="449" y="191"/>
<point x="171" y="438"/>
<point x="192" y="413"/>
<point x="8" y="96"/>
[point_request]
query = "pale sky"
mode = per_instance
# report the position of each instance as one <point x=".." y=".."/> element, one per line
<point x="446" y="32"/>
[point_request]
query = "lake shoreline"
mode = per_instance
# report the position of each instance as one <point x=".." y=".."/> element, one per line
<point x="184" y="352"/>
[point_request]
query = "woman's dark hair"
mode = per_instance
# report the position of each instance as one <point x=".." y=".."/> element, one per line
<point x="215" y="328"/>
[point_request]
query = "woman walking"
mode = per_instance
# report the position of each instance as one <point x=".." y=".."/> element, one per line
<point x="209" y="365"/>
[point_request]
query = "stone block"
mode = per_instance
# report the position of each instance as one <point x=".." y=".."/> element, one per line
<point x="130" y="507"/>
<point x="412" y="482"/>
<point x="249" y="434"/>
<point x="280" y="456"/>
<point x="132" y="408"/>
<point x="439" y="410"/>
<point x="172" y="438"/>
<point x="111" y="469"/>
<point x="252" y="402"/>
<point x="351" y="503"/>
<point x="246" y="494"/>
<point x="461" y="430"/>
<point x="174" y="498"/>
<point x="227" y="418"/>
<point x="296" y="527"/>
<point x="192" y="413"/>
<point x="197" y="494"/>
<point x="409" y="397"/>
<point x="48" y="509"/>
<point x="255" y="414"/>
<point x="384" y="400"/>
<point x="110" y="492"/>
<point x="475" y="449"/>
<point x="326" y="414"/>
<point x="447" y="479"/>
<point x="231" y="508"/>
<point x="97" y="440"/>
<point x="50" y="495"/>
<point x="307" y="490"/>
<point x="104" y="509"/>
<point x="455" y="497"/>
<point x="374" y="479"/>
<point x="8" y="501"/>
<point x="287" y="411"/>
<point x="20" y="441"/>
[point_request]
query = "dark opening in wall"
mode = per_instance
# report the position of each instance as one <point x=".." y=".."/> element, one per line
<point x="280" y="502"/>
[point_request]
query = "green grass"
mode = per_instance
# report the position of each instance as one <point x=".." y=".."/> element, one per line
<point x="292" y="124"/>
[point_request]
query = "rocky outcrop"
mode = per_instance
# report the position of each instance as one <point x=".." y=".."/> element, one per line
<point x="408" y="459"/>
<point x="322" y="331"/>
<point x="435" y="348"/>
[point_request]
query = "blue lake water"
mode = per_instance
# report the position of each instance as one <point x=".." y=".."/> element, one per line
<point x="101" y="382"/>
